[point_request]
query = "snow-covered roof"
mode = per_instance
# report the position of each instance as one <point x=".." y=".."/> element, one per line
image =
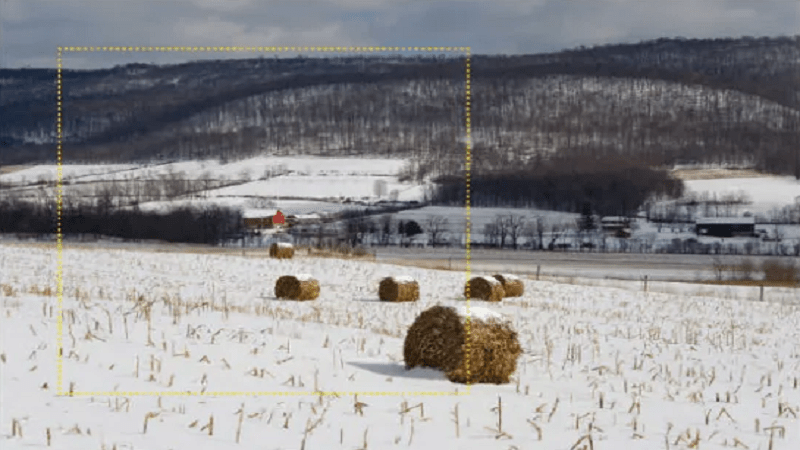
<point x="258" y="213"/>
<point x="614" y="219"/>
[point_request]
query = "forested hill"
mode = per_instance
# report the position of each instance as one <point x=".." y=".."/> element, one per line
<point x="659" y="101"/>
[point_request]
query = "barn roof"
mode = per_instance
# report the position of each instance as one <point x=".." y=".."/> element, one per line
<point x="258" y="213"/>
<point x="306" y="216"/>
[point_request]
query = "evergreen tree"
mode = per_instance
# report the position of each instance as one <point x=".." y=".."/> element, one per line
<point x="587" y="222"/>
<point x="412" y="228"/>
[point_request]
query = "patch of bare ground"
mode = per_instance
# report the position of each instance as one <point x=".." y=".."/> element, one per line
<point x="9" y="169"/>
<point x="716" y="174"/>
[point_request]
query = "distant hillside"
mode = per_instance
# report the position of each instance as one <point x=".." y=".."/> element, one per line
<point x="766" y="67"/>
<point x="662" y="101"/>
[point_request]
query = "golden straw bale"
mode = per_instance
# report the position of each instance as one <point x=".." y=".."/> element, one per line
<point x="297" y="287"/>
<point x="398" y="289"/>
<point x="485" y="288"/>
<point x="438" y="339"/>
<point x="512" y="285"/>
<point x="281" y="250"/>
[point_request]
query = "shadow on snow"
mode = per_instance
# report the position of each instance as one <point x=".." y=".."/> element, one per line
<point x="399" y="370"/>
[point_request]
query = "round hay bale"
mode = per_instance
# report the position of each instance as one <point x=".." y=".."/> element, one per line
<point x="512" y="285"/>
<point x="438" y="339"/>
<point x="398" y="289"/>
<point x="485" y="288"/>
<point x="297" y="287"/>
<point x="281" y="250"/>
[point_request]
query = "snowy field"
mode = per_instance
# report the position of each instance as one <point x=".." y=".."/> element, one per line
<point x="49" y="172"/>
<point x="314" y="186"/>
<point x="311" y="178"/>
<point x="765" y="193"/>
<point x="624" y="368"/>
<point x="252" y="167"/>
<point x="251" y="207"/>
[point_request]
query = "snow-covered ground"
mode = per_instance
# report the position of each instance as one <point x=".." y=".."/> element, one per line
<point x="313" y="186"/>
<point x="251" y="167"/>
<point x="49" y="172"/>
<point x="279" y="181"/>
<point x="766" y="193"/>
<point x="630" y="369"/>
<point x="251" y="207"/>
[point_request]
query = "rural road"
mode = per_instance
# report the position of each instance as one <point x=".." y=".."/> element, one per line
<point x="631" y="266"/>
<point x="625" y="266"/>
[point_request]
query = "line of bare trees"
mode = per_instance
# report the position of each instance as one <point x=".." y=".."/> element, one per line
<point x="208" y="225"/>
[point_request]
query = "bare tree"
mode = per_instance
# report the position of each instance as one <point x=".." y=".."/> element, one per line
<point x="205" y="182"/>
<point x="540" y="226"/>
<point x="153" y="190"/>
<point x="514" y="224"/>
<point x="529" y="233"/>
<point x="502" y="225"/>
<point x="171" y="183"/>
<point x="383" y="229"/>
<point x="779" y="235"/>
<point x="491" y="233"/>
<point x="437" y="229"/>
<point x="557" y="229"/>
<point x="105" y="200"/>
<point x="245" y="175"/>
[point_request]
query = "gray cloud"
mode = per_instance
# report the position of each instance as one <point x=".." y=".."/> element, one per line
<point x="32" y="29"/>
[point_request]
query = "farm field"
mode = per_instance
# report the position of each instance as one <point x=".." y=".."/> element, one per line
<point x="296" y="184"/>
<point x="765" y="192"/>
<point x="305" y="165"/>
<point x="625" y="368"/>
<point x="313" y="186"/>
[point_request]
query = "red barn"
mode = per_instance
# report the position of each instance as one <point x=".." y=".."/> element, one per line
<point x="256" y="220"/>
<point x="278" y="218"/>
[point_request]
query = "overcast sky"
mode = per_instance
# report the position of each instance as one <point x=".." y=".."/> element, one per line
<point x="30" y="30"/>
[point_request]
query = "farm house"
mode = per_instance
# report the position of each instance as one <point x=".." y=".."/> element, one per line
<point x="254" y="221"/>
<point x="616" y="225"/>
<point x="302" y="219"/>
<point x="725" y="226"/>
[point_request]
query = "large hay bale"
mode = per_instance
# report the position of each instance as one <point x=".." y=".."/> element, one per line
<point x="297" y="287"/>
<point x="438" y="339"/>
<point x="512" y="285"/>
<point x="398" y="289"/>
<point x="281" y="250"/>
<point x="485" y="288"/>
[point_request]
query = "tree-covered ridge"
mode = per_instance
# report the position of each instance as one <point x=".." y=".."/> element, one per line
<point x="659" y="101"/>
